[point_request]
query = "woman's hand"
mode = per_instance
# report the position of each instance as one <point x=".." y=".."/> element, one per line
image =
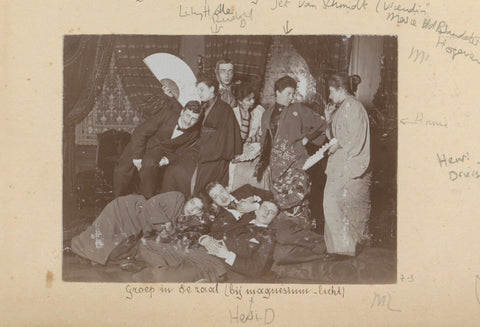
<point x="333" y="149"/>
<point x="328" y="111"/>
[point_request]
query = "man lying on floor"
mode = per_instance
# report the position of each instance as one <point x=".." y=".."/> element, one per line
<point x="294" y="244"/>
<point x="229" y="208"/>
<point x="247" y="245"/>
<point x="169" y="262"/>
<point x="156" y="232"/>
<point x="246" y="248"/>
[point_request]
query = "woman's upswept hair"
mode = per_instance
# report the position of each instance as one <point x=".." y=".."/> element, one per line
<point x="243" y="90"/>
<point x="343" y="81"/>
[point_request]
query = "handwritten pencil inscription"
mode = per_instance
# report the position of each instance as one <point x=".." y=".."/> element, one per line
<point x="420" y="120"/>
<point x="383" y="301"/>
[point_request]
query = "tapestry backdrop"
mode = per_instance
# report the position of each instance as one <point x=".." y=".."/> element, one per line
<point x="248" y="53"/>
<point x="130" y="92"/>
<point x="284" y="59"/>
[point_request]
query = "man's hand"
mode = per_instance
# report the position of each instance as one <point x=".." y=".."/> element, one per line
<point x="137" y="163"/>
<point x="222" y="251"/>
<point x="163" y="162"/>
<point x="167" y="91"/>
<point x="209" y="243"/>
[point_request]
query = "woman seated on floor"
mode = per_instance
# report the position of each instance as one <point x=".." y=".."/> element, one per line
<point x="242" y="167"/>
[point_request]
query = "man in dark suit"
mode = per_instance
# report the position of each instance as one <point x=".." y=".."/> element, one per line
<point x="247" y="245"/>
<point x="294" y="244"/>
<point x="155" y="144"/>
<point x="209" y="158"/>
<point x="230" y="208"/>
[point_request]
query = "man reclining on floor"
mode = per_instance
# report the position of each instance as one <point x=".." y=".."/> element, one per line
<point x="292" y="245"/>
<point x="246" y="245"/>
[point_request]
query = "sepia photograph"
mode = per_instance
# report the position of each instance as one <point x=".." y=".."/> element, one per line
<point x="230" y="159"/>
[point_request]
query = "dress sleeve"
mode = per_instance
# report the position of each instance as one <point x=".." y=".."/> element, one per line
<point x="256" y="123"/>
<point x="354" y="134"/>
<point x="313" y="126"/>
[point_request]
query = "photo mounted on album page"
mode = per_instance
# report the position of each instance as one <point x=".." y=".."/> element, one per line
<point x="271" y="162"/>
<point x="233" y="91"/>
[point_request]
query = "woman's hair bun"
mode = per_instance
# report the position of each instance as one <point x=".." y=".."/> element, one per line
<point x="353" y="80"/>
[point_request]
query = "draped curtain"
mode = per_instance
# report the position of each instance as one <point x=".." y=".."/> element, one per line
<point x="130" y="91"/>
<point x="385" y="99"/>
<point x="325" y="56"/>
<point x="248" y="54"/>
<point x="86" y="61"/>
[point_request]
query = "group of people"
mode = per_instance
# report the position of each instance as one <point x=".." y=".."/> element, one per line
<point x="240" y="167"/>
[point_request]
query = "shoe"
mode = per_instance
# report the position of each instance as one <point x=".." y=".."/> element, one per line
<point x="335" y="257"/>
<point x="132" y="266"/>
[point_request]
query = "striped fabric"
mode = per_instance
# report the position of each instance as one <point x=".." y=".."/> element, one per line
<point x="245" y="126"/>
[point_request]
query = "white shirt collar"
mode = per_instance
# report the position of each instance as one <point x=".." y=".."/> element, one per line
<point x="234" y="212"/>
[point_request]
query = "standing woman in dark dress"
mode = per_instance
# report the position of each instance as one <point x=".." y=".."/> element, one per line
<point x="219" y="142"/>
